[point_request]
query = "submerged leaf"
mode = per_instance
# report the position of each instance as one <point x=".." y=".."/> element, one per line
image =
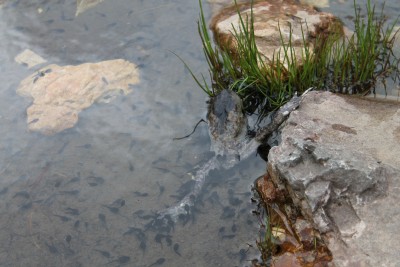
<point x="83" y="5"/>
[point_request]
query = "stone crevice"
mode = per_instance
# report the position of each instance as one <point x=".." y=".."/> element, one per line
<point x="336" y="162"/>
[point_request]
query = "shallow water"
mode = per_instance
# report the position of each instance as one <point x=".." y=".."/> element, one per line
<point x="83" y="197"/>
<point x="344" y="9"/>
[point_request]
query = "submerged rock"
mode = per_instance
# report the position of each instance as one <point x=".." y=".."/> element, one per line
<point x="29" y="58"/>
<point x="340" y="160"/>
<point x="227" y="122"/>
<point x="60" y="92"/>
<point x="273" y="21"/>
<point x="217" y="5"/>
<point x="316" y="3"/>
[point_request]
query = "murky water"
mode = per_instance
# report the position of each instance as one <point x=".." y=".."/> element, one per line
<point x="83" y="197"/>
<point x="86" y="196"/>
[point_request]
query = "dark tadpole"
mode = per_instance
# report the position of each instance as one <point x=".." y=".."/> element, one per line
<point x="72" y="211"/>
<point x="103" y="253"/>
<point x="161" y="188"/>
<point x="76" y="224"/>
<point x="62" y="218"/>
<point x="121" y="260"/>
<point x="163" y="224"/>
<point x="94" y="180"/>
<point x="228" y="213"/>
<point x="158" y="262"/>
<point x="4" y="190"/>
<point x="68" y="238"/>
<point x="131" y="167"/>
<point x="141" y="214"/>
<point x="140" y="194"/>
<point x="114" y="210"/>
<point x="242" y="255"/>
<point x="159" y="238"/>
<point x="231" y="236"/>
<point x="176" y="249"/>
<point x="102" y="219"/>
<point x="70" y="192"/>
<point x="52" y="248"/>
<point x="234" y="228"/>
<point x="23" y="194"/>
<point x="140" y="236"/>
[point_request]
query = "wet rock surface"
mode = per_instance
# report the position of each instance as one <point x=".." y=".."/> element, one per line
<point x="293" y="240"/>
<point x="227" y="121"/>
<point x="60" y="92"/>
<point x="273" y="21"/>
<point x="217" y="5"/>
<point x="339" y="159"/>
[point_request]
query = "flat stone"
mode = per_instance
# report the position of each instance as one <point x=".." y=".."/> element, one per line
<point x="274" y="21"/>
<point x="29" y="58"/>
<point x="60" y="92"/>
<point x="217" y="5"/>
<point x="316" y="3"/>
<point x="340" y="160"/>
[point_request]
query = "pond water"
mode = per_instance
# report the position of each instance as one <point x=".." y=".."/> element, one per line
<point x="85" y="196"/>
<point x="344" y="9"/>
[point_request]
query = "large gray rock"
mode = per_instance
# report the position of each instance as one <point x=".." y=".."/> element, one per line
<point x="340" y="159"/>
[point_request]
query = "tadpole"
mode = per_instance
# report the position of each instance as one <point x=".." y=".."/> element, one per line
<point x="159" y="237"/>
<point x="140" y="236"/>
<point x="228" y="213"/>
<point x="114" y="210"/>
<point x="72" y="211"/>
<point x="23" y="194"/>
<point x="62" y="218"/>
<point x="103" y="253"/>
<point x="102" y="219"/>
<point x="161" y="188"/>
<point x="140" y="194"/>
<point x="158" y="262"/>
<point x="76" y="224"/>
<point x="52" y="248"/>
<point x="176" y="249"/>
<point x="68" y="238"/>
<point x="121" y="260"/>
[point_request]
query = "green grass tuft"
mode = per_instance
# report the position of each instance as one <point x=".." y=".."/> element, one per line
<point x="349" y="65"/>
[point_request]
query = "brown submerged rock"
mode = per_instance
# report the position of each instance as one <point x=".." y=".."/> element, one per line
<point x="269" y="17"/>
<point x="60" y="92"/>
